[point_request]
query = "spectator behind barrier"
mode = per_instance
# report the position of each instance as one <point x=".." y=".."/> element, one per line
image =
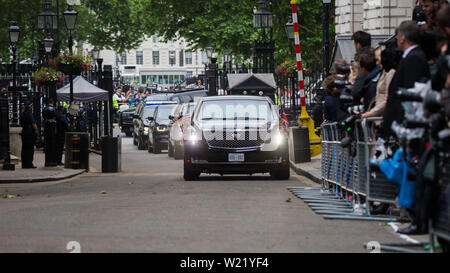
<point x="387" y="57"/>
<point x="331" y="108"/>
<point x="413" y="68"/>
<point x="362" y="42"/>
<point x="430" y="8"/>
<point x="371" y="73"/>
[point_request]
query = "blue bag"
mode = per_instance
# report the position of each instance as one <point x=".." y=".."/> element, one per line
<point x="396" y="169"/>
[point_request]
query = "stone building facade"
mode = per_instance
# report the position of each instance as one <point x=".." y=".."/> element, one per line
<point x="155" y="61"/>
<point x="373" y="16"/>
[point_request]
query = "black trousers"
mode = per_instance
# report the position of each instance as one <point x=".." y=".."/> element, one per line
<point x="59" y="148"/>
<point x="28" y="143"/>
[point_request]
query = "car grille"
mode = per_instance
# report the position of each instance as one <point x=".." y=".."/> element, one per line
<point x="234" y="140"/>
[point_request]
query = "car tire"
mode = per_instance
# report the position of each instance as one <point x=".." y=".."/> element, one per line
<point x="170" y="149"/>
<point x="178" y="153"/>
<point x="140" y="144"/>
<point x="134" y="139"/>
<point x="190" y="174"/>
<point x="149" y="147"/>
<point x="281" y="173"/>
<point x="156" y="147"/>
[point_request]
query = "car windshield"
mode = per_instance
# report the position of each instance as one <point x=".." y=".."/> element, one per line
<point x="164" y="112"/>
<point x="157" y="97"/>
<point x="149" y="111"/>
<point x="235" y="110"/>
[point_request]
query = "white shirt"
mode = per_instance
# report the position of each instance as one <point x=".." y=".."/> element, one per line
<point x="405" y="54"/>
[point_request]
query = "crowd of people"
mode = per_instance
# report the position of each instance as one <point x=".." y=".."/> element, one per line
<point x="369" y="86"/>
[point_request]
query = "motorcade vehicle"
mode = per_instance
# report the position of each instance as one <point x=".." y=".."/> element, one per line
<point x="158" y="136"/>
<point x="236" y="135"/>
<point x="141" y="124"/>
<point x="126" y="121"/>
<point x="179" y="121"/>
<point x="179" y="96"/>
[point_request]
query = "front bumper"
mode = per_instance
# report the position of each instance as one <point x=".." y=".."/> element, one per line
<point x="213" y="160"/>
<point x="127" y="128"/>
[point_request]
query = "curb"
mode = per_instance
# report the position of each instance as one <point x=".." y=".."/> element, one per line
<point x="95" y="151"/>
<point x="42" y="179"/>
<point x="305" y="173"/>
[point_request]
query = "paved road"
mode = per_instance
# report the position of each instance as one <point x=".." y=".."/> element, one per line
<point x="150" y="208"/>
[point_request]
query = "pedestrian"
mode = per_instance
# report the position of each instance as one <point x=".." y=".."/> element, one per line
<point x="413" y="68"/>
<point x="29" y="135"/>
<point x="62" y="126"/>
<point x="81" y="121"/>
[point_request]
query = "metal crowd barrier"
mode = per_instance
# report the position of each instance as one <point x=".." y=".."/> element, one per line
<point x="348" y="185"/>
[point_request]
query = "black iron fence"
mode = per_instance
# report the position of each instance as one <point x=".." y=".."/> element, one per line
<point x="287" y="95"/>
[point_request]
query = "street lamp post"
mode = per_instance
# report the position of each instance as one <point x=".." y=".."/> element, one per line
<point x="14" y="34"/>
<point x="325" y="37"/>
<point x="70" y="18"/>
<point x="96" y="56"/>
<point x="212" y="71"/>
<point x="263" y="50"/>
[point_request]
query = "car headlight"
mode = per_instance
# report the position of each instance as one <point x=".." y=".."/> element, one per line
<point x="278" y="139"/>
<point x="161" y="129"/>
<point x="192" y="135"/>
<point x="146" y="129"/>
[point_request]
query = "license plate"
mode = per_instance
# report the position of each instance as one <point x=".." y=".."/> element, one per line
<point x="236" y="157"/>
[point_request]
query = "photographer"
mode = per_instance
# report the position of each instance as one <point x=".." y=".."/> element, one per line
<point x="413" y="68"/>
<point x="430" y="8"/>
<point x="332" y="107"/>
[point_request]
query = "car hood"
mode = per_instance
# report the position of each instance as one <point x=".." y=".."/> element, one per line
<point x="232" y="125"/>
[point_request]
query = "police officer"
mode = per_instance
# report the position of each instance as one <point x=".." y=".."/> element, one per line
<point x="62" y="126"/>
<point x="29" y="135"/>
<point x="49" y="114"/>
<point x="81" y="121"/>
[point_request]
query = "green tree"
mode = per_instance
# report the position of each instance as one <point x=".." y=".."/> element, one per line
<point x="228" y="26"/>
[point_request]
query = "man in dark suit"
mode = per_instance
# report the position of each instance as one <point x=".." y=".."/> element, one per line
<point x="413" y="68"/>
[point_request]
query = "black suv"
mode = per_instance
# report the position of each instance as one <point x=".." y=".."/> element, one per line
<point x="159" y="132"/>
<point x="235" y="135"/>
<point x="126" y="121"/>
<point x="141" y="123"/>
<point x="179" y="96"/>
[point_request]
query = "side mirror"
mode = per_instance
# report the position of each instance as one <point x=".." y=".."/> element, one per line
<point x="171" y="117"/>
<point x="180" y="116"/>
<point x="150" y="118"/>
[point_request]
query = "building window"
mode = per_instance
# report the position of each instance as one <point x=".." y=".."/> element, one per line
<point x="172" y="60"/>
<point x="155" y="39"/>
<point x="156" y="57"/>
<point x="188" y="57"/>
<point x="181" y="58"/>
<point x="139" y="57"/>
<point x="124" y="58"/>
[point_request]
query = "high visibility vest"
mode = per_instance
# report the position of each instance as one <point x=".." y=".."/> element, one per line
<point x="115" y="104"/>
<point x="277" y="101"/>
